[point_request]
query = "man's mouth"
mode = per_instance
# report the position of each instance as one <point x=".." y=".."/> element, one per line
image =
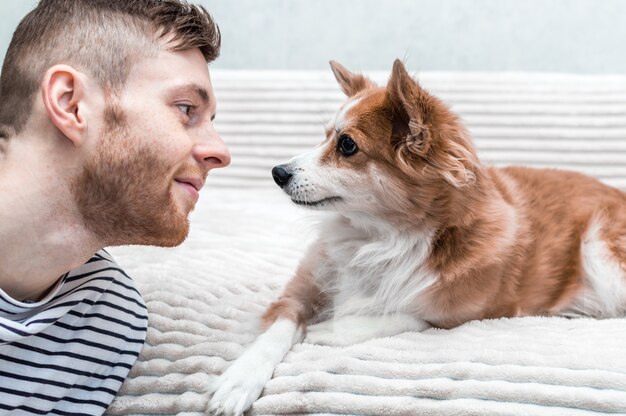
<point x="191" y="185"/>
<point x="196" y="183"/>
<point x="316" y="203"/>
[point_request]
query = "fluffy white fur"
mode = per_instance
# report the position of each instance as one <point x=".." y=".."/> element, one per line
<point x="239" y="386"/>
<point x="354" y="329"/>
<point x="604" y="295"/>
<point x="371" y="268"/>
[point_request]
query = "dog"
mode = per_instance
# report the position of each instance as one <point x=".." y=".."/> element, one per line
<point x="420" y="233"/>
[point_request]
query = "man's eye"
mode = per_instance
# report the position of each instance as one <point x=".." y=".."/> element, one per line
<point x="185" y="108"/>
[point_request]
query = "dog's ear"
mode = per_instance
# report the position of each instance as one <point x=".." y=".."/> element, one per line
<point x="349" y="82"/>
<point x="410" y="112"/>
<point x="424" y="128"/>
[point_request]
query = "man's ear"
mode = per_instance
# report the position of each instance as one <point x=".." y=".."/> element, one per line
<point x="63" y="93"/>
<point x="349" y="82"/>
<point x="409" y="111"/>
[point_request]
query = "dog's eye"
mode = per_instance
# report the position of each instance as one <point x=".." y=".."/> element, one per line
<point x="347" y="146"/>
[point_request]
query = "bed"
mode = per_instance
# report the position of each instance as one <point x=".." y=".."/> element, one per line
<point x="205" y="296"/>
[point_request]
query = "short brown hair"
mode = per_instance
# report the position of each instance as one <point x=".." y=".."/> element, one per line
<point x="103" y="38"/>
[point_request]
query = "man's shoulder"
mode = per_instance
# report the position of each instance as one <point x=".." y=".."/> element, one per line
<point x="102" y="274"/>
<point x="85" y="337"/>
<point x="100" y="265"/>
<point x="103" y="258"/>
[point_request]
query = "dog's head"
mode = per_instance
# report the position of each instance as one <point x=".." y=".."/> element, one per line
<point x="389" y="150"/>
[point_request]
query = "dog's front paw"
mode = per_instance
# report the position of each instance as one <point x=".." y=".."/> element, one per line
<point x="238" y="387"/>
<point x="242" y="383"/>
<point x="348" y="330"/>
<point x="322" y="333"/>
<point x="354" y="329"/>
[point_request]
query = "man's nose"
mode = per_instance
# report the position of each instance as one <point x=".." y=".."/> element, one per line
<point x="212" y="152"/>
<point x="281" y="175"/>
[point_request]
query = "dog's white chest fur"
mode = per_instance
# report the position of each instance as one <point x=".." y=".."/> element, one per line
<point x="372" y="268"/>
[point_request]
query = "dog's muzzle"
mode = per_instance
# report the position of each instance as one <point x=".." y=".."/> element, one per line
<point x="281" y="175"/>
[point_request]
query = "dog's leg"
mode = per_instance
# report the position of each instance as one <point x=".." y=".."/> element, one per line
<point x="242" y="383"/>
<point x="353" y="329"/>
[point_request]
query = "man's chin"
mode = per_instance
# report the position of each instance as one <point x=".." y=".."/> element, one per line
<point x="178" y="238"/>
<point x="167" y="236"/>
<point x="167" y="228"/>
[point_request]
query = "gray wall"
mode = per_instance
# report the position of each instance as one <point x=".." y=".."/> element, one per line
<point x="11" y="11"/>
<point x="515" y="35"/>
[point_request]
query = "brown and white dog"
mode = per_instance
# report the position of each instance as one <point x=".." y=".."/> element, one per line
<point x="421" y="233"/>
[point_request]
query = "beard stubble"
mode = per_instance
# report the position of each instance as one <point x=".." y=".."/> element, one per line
<point x="125" y="191"/>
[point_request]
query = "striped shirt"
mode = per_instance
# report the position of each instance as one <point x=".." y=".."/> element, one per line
<point x="69" y="353"/>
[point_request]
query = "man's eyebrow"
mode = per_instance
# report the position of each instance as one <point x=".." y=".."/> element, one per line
<point x="195" y="89"/>
<point x="202" y="93"/>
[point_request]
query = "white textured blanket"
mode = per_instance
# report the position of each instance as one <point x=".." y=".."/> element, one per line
<point x="205" y="296"/>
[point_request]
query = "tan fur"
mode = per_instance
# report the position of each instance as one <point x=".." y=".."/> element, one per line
<point x="301" y="301"/>
<point x="507" y="242"/>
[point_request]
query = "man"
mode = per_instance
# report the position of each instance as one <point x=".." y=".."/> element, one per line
<point x="106" y="138"/>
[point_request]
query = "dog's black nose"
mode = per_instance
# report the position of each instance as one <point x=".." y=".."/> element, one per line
<point x="281" y="175"/>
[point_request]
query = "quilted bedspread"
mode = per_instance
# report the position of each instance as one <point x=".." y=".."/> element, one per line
<point x="205" y="297"/>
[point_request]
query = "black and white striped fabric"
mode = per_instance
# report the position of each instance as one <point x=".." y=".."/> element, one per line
<point x="69" y="353"/>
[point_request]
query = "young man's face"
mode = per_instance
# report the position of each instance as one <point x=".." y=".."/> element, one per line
<point x="153" y="153"/>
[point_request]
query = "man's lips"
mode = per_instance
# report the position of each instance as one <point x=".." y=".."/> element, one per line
<point x="193" y="185"/>
<point x="197" y="183"/>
